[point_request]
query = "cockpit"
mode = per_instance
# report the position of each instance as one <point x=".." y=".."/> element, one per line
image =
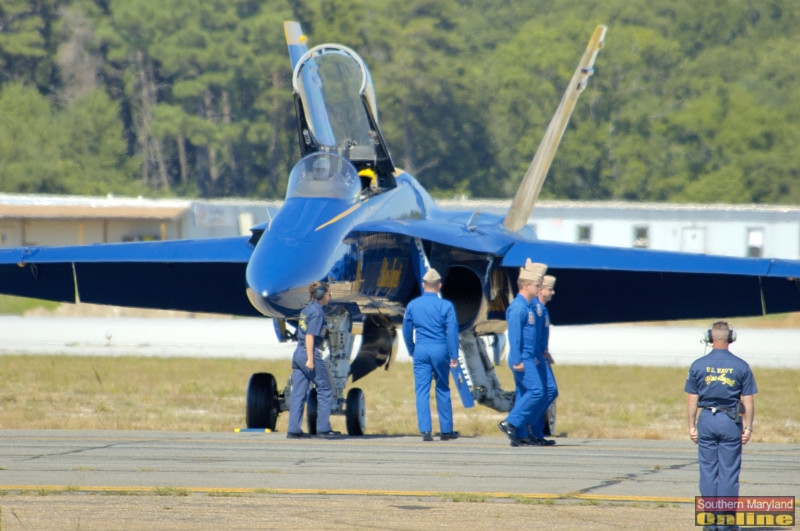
<point x="337" y="114"/>
<point x="324" y="175"/>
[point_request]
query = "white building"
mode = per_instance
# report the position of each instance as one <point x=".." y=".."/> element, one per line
<point x="728" y="230"/>
<point x="74" y="220"/>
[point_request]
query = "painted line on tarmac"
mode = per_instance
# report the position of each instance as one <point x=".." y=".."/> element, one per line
<point x="159" y="491"/>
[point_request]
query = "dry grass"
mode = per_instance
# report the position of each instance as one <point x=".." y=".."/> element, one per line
<point x="126" y="393"/>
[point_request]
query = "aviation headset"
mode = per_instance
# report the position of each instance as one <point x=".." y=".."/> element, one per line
<point x="320" y="292"/>
<point x="707" y="338"/>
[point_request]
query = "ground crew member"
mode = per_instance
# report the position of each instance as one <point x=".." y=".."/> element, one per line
<point x="307" y="366"/>
<point x="434" y="351"/>
<point x="529" y="394"/>
<point x="539" y="305"/>
<point x="722" y="386"/>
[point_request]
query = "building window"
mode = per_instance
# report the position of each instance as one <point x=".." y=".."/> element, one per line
<point x="584" y="234"/>
<point x="641" y="237"/>
<point x="755" y="243"/>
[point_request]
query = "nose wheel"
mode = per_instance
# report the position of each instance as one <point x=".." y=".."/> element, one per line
<point x="311" y="411"/>
<point x="356" y="412"/>
<point x="263" y="402"/>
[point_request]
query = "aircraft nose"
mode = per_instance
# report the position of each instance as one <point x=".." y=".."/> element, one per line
<point x="279" y="274"/>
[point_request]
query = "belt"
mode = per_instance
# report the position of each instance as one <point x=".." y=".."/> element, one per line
<point x="714" y="409"/>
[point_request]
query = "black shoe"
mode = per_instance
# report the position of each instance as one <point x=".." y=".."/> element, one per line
<point x="426" y="436"/>
<point x="510" y="431"/>
<point x="330" y="434"/>
<point x="547" y="442"/>
<point x="449" y="436"/>
<point x="297" y="435"/>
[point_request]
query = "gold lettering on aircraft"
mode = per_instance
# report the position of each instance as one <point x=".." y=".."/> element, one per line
<point x="390" y="276"/>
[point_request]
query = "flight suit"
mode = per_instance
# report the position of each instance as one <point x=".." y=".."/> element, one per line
<point x="548" y="378"/>
<point x="436" y="343"/>
<point x="719" y="379"/>
<point x="312" y="321"/>
<point x="529" y="393"/>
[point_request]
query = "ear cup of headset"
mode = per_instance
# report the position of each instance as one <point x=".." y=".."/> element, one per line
<point x="731" y="336"/>
<point x="319" y="293"/>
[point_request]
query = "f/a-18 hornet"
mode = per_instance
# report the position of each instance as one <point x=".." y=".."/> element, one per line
<point x="354" y="219"/>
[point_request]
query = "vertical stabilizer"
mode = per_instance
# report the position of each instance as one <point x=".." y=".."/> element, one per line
<point x="295" y="40"/>
<point x="531" y="185"/>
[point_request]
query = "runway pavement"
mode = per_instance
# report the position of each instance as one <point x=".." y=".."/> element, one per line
<point x="255" y="338"/>
<point x="583" y="469"/>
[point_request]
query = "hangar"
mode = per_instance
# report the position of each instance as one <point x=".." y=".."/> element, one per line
<point x="74" y="220"/>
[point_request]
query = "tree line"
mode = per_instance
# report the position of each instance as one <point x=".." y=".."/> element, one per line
<point x="690" y="101"/>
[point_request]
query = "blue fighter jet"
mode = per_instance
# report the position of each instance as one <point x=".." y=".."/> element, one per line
<point x="355" y="220"/>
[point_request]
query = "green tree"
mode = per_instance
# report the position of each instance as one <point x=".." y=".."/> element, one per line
<point x="30" y="158"/>
<point x="78" y="150"/>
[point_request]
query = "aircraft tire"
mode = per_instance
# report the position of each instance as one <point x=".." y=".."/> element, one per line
<point x="356" y="412"/>
<point x="311" y="411"/>
<point x="550" y="420"/>
<point x="262" y="402"/>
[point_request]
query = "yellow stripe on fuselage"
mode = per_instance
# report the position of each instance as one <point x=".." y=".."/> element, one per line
<point x="340" y="216"/>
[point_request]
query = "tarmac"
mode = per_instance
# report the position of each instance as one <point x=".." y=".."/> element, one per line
<point x="257" y="480"/>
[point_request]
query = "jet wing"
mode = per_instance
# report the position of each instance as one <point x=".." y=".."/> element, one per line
<point x="188" y="275"/>
<point x="454" y="234"/>
<point x="607" y="285"/>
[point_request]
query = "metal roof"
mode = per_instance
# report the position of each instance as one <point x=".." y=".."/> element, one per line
<point x="77" y="207"/>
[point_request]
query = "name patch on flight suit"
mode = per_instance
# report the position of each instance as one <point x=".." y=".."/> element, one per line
<point x="531" y="319"/>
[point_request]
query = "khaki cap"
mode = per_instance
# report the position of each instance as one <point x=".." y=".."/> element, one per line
<point x="532" y="271"/>
<point x="549" y="281"/>
<point x="432" y="276"/>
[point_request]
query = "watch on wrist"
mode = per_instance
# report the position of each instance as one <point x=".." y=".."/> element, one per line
<point x="749" y="428"/>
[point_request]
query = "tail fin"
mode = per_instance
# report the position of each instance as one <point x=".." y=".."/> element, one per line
<point x="531" y="185"/>
<point x="295" y="40"/>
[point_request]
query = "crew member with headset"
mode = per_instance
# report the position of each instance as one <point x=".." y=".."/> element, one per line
<point x="539" y="304"/>
<point x="722" y="386"/>
<point x="521" y="319"/>
<point x="434" y="351"/>
<point x="307" y="366"/>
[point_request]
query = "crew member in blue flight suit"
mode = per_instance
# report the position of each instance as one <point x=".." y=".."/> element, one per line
<point x="539" y="304"/>
<point x="529" y="395"/>
<point x="722" y="386"/>
<point x="434" y="351"/>
<point x="307" y="366"/>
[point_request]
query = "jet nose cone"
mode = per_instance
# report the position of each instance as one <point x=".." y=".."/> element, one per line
<point x="279" y="274"/>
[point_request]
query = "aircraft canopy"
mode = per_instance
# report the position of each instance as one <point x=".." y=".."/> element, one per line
<point x="324" y="175"/>
<point x="333" y="82"/>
